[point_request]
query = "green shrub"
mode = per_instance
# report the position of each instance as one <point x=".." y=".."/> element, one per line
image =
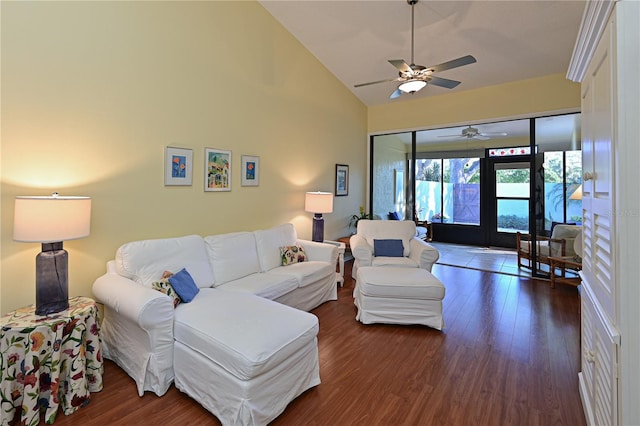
<point x="512" y="221"/>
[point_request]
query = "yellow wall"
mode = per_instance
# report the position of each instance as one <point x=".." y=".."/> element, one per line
<point x="93" y="92"/>
<point x="523" y="98"/>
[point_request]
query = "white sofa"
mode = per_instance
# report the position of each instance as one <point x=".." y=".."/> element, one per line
<point x="226" y="345"/>
<point x="416" y="253"/>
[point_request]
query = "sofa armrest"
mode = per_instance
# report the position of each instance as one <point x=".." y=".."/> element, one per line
<point x="424" y="254"/>
<point x="137" y="330"/>
<point x="361" y="250"/>
<point x="320" y="251"/>
<point x="142" y="305"/>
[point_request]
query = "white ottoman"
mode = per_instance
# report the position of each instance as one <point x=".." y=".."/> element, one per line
<point x="243" y="357"/>
<point x="386" y="294"/>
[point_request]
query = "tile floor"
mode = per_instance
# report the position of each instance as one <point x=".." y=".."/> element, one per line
<point x="494" y="259"/>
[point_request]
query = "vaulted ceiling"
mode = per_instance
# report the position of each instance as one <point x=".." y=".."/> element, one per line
<point x="511" y="40"/>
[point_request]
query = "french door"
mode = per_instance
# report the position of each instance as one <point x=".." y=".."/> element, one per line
<point x="509" y="185"/>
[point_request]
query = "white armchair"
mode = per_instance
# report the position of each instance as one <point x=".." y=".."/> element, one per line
<point x="415" y="252"/>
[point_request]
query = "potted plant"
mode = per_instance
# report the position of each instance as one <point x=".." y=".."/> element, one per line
<point x="439" y="218"/>
<point x="353" y="223"/>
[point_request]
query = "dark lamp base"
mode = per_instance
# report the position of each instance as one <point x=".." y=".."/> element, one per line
<point x="52" y="285"/>
<point x="318" y="228"/>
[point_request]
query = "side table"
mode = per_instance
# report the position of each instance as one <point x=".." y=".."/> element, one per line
<point x="429" y="227"/>
<point x="49" y="361"/>
<point x="563" y="263"/>
<point x="341" y="249"/>
<point x="347" y="246"/>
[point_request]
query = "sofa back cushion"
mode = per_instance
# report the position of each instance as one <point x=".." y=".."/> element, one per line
<point x="269" y="241"/>
<point x="145" y="261"/>
<point x="372" y="230"/>
<point x="568" y="233"/>
<point x="232" y="256"/>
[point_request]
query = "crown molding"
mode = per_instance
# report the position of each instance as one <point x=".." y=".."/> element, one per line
<point x="594" y="20"/>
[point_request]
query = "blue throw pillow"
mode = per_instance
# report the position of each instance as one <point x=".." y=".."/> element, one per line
<point x="388" y="248"/>
<point x="184" y="285"/>
<point x="393" y="216"/>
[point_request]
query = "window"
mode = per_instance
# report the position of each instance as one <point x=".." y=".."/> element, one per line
<point x="448" y="190"/>
<point x="562" y="177"/>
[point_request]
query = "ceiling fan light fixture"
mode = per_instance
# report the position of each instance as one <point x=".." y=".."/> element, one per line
<point x="411" y="86"/>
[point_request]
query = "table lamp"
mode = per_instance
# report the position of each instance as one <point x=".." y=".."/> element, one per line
<point x="577" y="194"/>
<point x="318" y="203"/>
<point x="50" y="221"/>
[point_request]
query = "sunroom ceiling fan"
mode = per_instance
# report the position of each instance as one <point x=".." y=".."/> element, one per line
<point x="414" y="78"/>
<point x="473" y="133"/>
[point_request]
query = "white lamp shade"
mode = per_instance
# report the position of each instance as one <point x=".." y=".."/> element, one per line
<point x="412" y="86"/>
<point x="51" y="219"/>
<point x="318" y="202"/>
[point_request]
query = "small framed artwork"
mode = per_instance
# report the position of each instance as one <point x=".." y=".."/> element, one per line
<point x="342" y="180"/>
<point x="217" y="169"/>
<point x="250" y="170"/>
<point x="178" y="166"/>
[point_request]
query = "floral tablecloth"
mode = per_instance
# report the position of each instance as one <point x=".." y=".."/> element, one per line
<point x="49" y="361"/>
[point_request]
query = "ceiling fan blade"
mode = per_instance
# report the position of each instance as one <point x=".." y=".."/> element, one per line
<point x="401" y="65"/>
<point x="442" y="82"/>
<point x="481" y="137"/>
<point x="493" y="134"/>
<point x="376" y="82"/>
<point x="451" y="136"/>
<point x="464" y="60"/>
<point x="396" y="94"/>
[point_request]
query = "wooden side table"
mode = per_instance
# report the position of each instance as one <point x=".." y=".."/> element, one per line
<point x="346" y="241"/>
<point x="49" y="361"/>
<point x="347" y="247"/>
<point x="563" y="263"/>
<point x="429" y="226"/>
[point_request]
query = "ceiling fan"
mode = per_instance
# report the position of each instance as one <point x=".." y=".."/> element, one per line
<point x="473" y="133"/>
<point x="414" y="77"/>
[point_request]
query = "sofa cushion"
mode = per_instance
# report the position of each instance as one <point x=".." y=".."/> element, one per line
<point x="292" y="254"/>
<point x="246" y="334"/>
<point x="306" y="272"/>
<point x="184" y="285"/>
<point x="263" y="284"/>
<point x="401" y="262"/>
<point x="412" y="283"/>
<point x="144" y="261"/>
<point x="269" y="241"/>
<point x="232" y="255"/>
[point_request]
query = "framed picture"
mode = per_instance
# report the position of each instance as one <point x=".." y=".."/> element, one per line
<point x="250" y="170"/>
<point x="178" y="166"/>
<point x="342" y="180"/>
<point x="217" y="170"/>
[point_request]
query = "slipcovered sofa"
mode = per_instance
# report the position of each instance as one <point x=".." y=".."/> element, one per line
<point x="233" y="348"/>
<point x="415" y="253"/>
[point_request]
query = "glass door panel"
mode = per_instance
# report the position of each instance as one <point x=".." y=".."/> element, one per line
<point x="389" y="176"/>
<point x="513" y="193"/>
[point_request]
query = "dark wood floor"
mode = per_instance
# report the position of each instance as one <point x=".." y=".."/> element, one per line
<point x="509" y="355"/>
